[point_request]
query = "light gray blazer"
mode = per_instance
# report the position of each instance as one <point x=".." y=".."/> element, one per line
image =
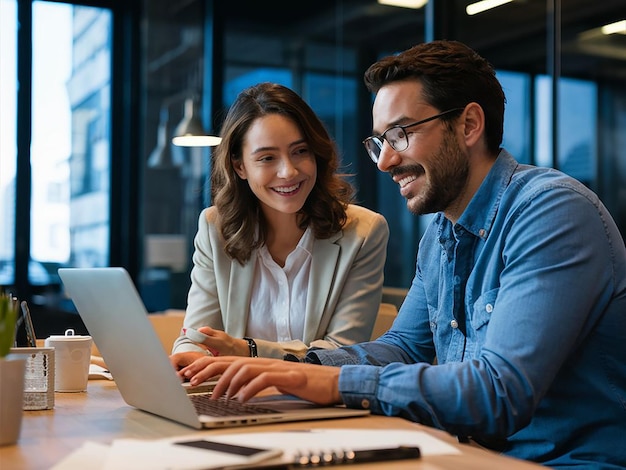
<point x="344" y="292"/>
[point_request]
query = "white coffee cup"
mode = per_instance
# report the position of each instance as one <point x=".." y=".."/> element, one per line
<point x="72" y="355"/>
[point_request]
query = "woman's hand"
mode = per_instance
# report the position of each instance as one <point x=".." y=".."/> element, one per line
<point x="183" y="359"/>
<point x="219" y="343"/>
<point x="245" y="377"/>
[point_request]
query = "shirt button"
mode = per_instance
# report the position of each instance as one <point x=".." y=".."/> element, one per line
<point x="489" y="308"/>
<point x="454" y="324"/>
<point x="365" y="403"/>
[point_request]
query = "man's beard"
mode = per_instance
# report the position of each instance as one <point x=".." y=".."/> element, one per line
<point x="449" y="170"/>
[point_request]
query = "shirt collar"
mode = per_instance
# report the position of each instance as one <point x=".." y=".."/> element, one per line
<point x="306" y="242"/>
<point x="304" y="246"/>
<point x="478" y="216"/>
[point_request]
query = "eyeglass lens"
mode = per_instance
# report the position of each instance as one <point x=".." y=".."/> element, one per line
<point x="396" y="137"/>
<point x="373" y="145"/>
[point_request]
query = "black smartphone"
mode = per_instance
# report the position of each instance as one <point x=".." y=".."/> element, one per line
<point x="252" y="454"/>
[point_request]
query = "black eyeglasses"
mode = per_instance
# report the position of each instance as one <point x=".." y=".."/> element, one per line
<point x="397" y="137"/>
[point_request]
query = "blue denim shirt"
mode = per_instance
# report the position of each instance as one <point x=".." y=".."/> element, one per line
<point x="523" y="304"/>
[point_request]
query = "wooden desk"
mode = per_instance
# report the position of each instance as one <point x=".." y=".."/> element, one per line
<point x="101" y="415"/>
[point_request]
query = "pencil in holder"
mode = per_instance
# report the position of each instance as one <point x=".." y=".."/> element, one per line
<point x="38" y="378"/>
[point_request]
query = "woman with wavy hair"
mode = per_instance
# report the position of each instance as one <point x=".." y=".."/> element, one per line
<point x="283" y="261"/>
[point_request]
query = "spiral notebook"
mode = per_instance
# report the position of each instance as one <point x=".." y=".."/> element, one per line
<point x="116" y="318"/>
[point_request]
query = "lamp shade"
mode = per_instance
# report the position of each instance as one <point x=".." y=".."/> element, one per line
<point x="190" y="132"/>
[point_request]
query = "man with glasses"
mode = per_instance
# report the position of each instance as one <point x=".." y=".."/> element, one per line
<point x="519" y="292"/>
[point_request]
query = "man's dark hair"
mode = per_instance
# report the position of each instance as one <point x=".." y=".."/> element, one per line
<point x="452" y="75"/>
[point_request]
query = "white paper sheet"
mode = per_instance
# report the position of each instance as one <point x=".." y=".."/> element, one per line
<point x="164" y="454"/>
<point x="89" y="455"/>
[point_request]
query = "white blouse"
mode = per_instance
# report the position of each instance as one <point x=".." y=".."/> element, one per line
<point x="279" y="294"/>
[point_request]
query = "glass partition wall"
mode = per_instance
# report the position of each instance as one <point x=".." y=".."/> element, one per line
<point x="560" y="75"/>
<point x="115" y="191"/>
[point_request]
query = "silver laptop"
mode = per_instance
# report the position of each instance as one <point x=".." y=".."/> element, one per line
<point x="116" y="318"/>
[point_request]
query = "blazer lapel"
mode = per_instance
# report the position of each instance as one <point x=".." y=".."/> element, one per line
<point x="323" y="265"/>
<point x="239" y="292"/>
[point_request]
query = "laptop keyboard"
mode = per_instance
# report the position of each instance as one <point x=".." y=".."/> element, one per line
<point x="223" y="407"/>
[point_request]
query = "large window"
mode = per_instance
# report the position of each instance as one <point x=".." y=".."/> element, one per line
<point x="70" y="154"/>
<point x="51" y="132"/>
<point x="8" y="150"/>
<point x="67" y="165"/>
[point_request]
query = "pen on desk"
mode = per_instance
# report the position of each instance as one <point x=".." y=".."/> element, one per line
<point x="28" y="325"/>
<point x="343" y="457"/>
<point x="378" y="455"/>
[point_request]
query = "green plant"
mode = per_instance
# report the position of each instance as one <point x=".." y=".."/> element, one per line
<point x="8" y="320"/>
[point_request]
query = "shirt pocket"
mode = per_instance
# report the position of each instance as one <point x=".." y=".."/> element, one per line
<point x="481" y="310"/>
